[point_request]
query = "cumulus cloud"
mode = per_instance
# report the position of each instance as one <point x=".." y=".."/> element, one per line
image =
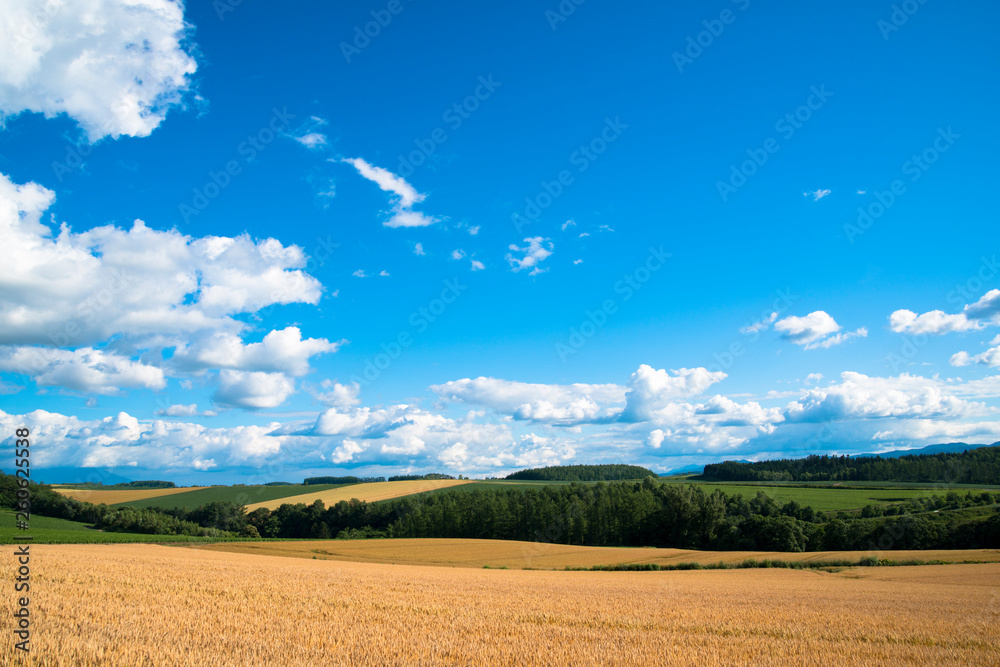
<point x="123" y="440"/>
<point x="281" y="351"/>
<point x="402" y="432"/>
<point x="808" y="329"/>
<point x="537" y="250"/>
<point x="85" y="370"/>
<point x="335" y="394"/>
<point x="82" y="288"/>
<point x="974" y="316"/>
<point x="990" y="357"/>
<point x="655" y="438"/>
<point x="115" y="66"/>
<point x="253" y="390"/>
<point x="553" y="403"/>
<point x="859" y="396"/>
<point x="933" y="322"/>
<point x="651" y="390"/>
<point x="404" y="195"/>
<point x="347" y="450"/>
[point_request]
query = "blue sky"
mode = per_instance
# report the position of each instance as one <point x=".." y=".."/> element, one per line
<point x="486" y="238"/>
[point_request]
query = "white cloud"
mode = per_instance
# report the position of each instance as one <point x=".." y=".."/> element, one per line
<point x="347" y="451"/>
<point x="406" y="218"/>
<point x="651" y="390"/>
<point x="933" y="322"/>
<point x="808" y="329"/>
<point x="83" y="288"/>
<point x="253" y="390"/>
<point x="986" y="308"/>
<point x="312" y="140"/>
<point x="153" y="445"/>
<point x="537" y="250"/>
<point x="838" y="339"/>
<point x="457" y="254"/>
<point x="552" y="403"/>
<point x="813" y="377"/>
<point x="404" y="195"/>
<point x="115" y="66"/>
<point x="760" y="325"/>
<point x="578" y="261"/>
<point x="178" y="410"/>
<point x="360" y="273"/>
<point x="338" y="395"/>
<point x="727" y="412"/>
<point x="477" y="265"/>
<point x="281" y="351"/>
<point x="384" y="273"/>
<point x="859" y="396"/>
<point x="990" y="357"/>
<point x="418" y="249"/>
<point x="473" y="230"/>
<point x="403" y="432"/>
<point x="568" y="223"/>
<point x="455" y="455"/>
<point x="817" y="194"/>
<point x="655" y="438"/>
<point x="974" y="316"/>
<point x="85" y="370"/>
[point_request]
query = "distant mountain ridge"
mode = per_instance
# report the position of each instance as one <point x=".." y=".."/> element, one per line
<point x="948" y="448"/>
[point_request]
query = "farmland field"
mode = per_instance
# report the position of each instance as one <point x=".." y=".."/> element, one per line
<point x="544" y="556"/>
<point x="92" y="604"/>
<point x="369" y="492"/>
<point x="114" y="496"/>
<point x="242" y="495"/>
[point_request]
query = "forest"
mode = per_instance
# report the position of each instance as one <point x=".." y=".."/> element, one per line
<point x="583" y="473"/>
<point x="974" y="466"/>
<point x="646" y="513"/>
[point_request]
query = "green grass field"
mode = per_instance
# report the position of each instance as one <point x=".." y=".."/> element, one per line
<point x="243" y="495"/>
<point x="821" y="498"/>
<point x="824" y="499"/>
<point x="47" y="530"/>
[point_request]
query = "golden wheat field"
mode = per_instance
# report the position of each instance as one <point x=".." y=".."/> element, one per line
<point x="161" y="605"/>
<point x="368" y="492"/>
<point x="542" y="556"/>
<point x="112" y="496"/>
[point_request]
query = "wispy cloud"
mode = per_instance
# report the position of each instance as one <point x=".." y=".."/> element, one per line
<point x="537" y="250"/>
<point x="404" y="195"/>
